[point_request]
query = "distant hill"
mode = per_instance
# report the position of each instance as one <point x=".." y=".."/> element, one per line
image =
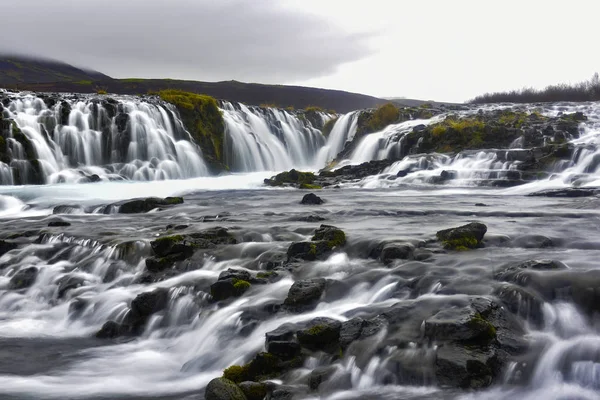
<point x="23" y="73"/>
<point x="404" y="102"/>
<point x="20" y="69"/>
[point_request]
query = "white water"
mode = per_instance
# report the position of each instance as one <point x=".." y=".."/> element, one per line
<point x="154" y="145"/>
<point x="343" y="131"/>
<point x="259" y="139"/>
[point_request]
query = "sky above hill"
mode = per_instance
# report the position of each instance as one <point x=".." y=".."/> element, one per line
<point x="437" y="49"/>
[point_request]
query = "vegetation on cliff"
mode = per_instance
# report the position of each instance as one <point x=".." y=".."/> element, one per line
<point x="203" y="119"/>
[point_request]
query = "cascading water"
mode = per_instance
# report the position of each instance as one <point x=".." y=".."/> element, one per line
<point x="78" y="140"/>
<point x="342" y="132"/>
<point x="269" y="139"/>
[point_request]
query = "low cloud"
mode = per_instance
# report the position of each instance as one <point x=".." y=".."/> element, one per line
<point x="256" y="41"/>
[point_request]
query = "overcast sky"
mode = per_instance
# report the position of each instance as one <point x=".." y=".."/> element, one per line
<point x="447" y="50"/>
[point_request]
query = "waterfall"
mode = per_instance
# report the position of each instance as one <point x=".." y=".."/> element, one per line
<point x="269" y="139"/>
<point x="343" y="131"/>
<point x="89" y="138"/>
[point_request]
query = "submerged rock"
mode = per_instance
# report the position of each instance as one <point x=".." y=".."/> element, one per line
<point x="305" y="294"/>
<point x="464" y="237"/>
<point x="223" y="389"/>
<point x="148" y="204"/>
<point x="321" y="334"/>
<point x="311" y="199"/>
<point x="23" y="278"/>
<point x="568" y="192"/>
<point x="5" y="247"/>
<point x="58" y="223"/>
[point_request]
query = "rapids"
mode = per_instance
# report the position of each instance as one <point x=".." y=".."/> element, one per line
<point x="89" y="272"/>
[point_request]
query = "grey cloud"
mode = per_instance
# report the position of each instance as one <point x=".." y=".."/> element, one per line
<point x="258" y="41"/>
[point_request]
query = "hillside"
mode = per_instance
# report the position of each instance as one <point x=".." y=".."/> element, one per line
<point x="23" y="73"/>
<point x="24" y="70"/>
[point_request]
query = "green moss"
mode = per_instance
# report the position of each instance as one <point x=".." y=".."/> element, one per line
<point x="461" y="244"/>
<point x="241" y="286"/>
<point x="383" y="116"/>
<point x="173" y="200"/>
<point x="256" y="391"/>
<point x="313" y="250"/>
<point x="169" y="240"/>
<point x="266" y="274"/>
<point x="316" y="330"/>
<point x="236" y="373"/>
<point x="313" y="109"/>
<point x="338" y="240"/>
<point x="488" y="330"/>
<point x="84" y="82"/>
<point x="292" y="177"/>
<point x="309" y="186"/>
<point x="132" y="80"/>
<point x="20" y="137"/>
<point x="328" y="127"/>
<point x="203" y="119"/>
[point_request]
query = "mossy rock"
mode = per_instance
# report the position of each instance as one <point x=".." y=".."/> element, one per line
<point x="464" y="237"/>
<point x="148" y="204"/>
<point x="328" y="127"/>
<point x="203" y="119"/>
<point x="223" y="389"/>
<point x="254" y="390"/>
<point x="227" y="288"/>
<point x="321" y="334"/>
<point x="309" y="186"/>
<point x="331" y="235"/>
<point x="263" y="366"/>
<point x="291" y="178"/>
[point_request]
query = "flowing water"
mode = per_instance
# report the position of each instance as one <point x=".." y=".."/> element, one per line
<point x="47" y="332"/>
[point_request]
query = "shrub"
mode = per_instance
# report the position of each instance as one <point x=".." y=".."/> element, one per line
<point x="383" y="116"/>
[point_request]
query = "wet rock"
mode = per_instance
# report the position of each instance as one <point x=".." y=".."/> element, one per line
<point x="172" y="245"/>
<point x="223" y="389"/>
<point x="320" y="375"/>
<point x="148" y="303"/>
<point x="110" y="330"/>
<point x="568" y="192"/>
<point x="148" y="204"/>
<point x="516" y="272"/>
<point x="68" y="283"/>
<point x="68" y="209"/>
<point x="176" y="227"/>
<point x="459" y="325"/>
<point x="58" y="223"/>
<point x="311" y="218"/>
<point x="284" y="349"/>
<point x="311" y="199"/>
<point x="465" y="368"/>
<point x="325" y="240"/>
<point x="5" y="247"/>
<point x="321" y="334"/>
<point x="226" y="288"/>
<point x="23" y="278"/>
<point x="212" y="237"/>
<point x="305" y="294"/>
<point x="392" y="252"/>
<point x="254" y="390"/>
<point x="533" y="242"/>
<point x="464" y="237"/>
<point x="302" y="180"/>
<point x="350" y="331"/>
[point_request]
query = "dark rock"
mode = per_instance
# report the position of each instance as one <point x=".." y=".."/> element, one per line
<point x="463" y="367"/>
<point x="170" y="245"/>
<point x="284" y="349"/>
<point x="223" y="389"/>
<point x="311" y="199"/>
<point x="568" y="192"/>
<point x="23" y="278"/>
<point x="148" y="303"/>
<point x="148" y="204"/>
<point x="305" y="294"/>
<point x="110" y="330"/>
<point x="320" y="375"/>
<point x="254" y="390"/>
<point x="5" y="247"/>
<point x="292" y="178"/>
<point x="393" y="252"/>
<point x="464" y="237"/>
<point x="321" y="334"/>
<point x="311" y="218"/>
<point x="58" y="223"/>
<point x="461" y="324"/>
<point x="533" y="242"/>
<point x="350" y="331"/>
<point x="326" y="239"/>
<point x="68" y="283"/>
<point x="226" y="288"/>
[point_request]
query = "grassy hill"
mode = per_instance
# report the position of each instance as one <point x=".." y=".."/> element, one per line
<point x="22" y="73"/>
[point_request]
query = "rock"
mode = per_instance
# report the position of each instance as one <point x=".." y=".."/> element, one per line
<point x="284" y="349"/>
<point x="109" y="330"/>
<point x="305" y="294"/>
<point x="171" y="245"/>
<point x="465" y="368"/>
<point x="568" y="192"/>
<point x="58" y="223"/>
<point x="311" y="199"/>
<point x="223" y="389"/>
<point x="463" y="324"/>
<point x="68" y="283"/>
<point x="23" y="278"/>
<point x="464" y="237"/>
<point x="350" y="331"/>
<point x="293" y="178"/>
<point x="393" y="252"/>
<point x="321" y="334"/>
<point x="146" y="304"/>
<point x="311" y="218"/>
<point x="226" y="288"/>
<point x="533" y="242"/>
<point x="5" y="247"/>
<point x="326" y="239"/>
<point x="513" y="272"/>
<point x="320" y="375"/>
<point x="148" y="204"/>
<point x="254" y="390"/>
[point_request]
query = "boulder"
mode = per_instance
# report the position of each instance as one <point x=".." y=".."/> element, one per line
<point x="58" y="223"/>
<point x="23" y="279"/>
<point x="311" y="199"/>
<point x="321" y="334"/>
<point x="464" y="237"/>
<point x="305" y="294"/>
<point x="463" y="324"/>
<point x="148" y="204"/>
<point x="392" y="252"/>
<point x="110" y="330"/>
<point x="5" y="247"/>
<point x="325" y="240"/>
<point x="226" y="288"/>
<point x="223" y="389"/>
<point x="68" y="283"/>
<point x="457" y="366"/>
<point x="254" y="390"/>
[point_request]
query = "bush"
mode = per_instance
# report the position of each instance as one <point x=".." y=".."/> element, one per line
<point x="384" y="115"/>
<point x="582" y="91"/>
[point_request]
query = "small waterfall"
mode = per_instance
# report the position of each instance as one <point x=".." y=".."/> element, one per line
<point x="343" y="131"/>
<point x="269" y="139"/>
<point x="90" y="139"/>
